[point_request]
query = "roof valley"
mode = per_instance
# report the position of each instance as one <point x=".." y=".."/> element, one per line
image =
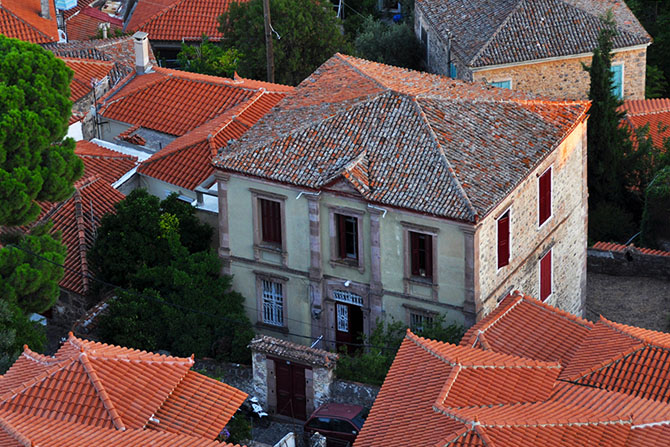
<point x="496" y="32"/>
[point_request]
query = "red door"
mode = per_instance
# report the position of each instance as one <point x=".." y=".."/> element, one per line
<point x="290" y="386"/>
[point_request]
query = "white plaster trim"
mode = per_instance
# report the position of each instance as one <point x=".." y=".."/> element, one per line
<point x="124" y="178"/>
<point x="555" y="58"/>
<point x="141" y="155"/>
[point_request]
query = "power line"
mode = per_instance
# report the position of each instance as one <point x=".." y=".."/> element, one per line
<point x="180" y="307"/>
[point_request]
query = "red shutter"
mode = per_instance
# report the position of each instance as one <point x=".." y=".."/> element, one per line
<point x="545" y="276"/>
<point x="545" y="196"/>
<point x="429" y="256"/>
<point x="270" y="221"/>
<point x="414" y="249"/>
<point x="503" y="240"/>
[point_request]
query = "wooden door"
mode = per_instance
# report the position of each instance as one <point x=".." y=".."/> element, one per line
<point x="349" y="326"/>
<point x="290" y="388"/>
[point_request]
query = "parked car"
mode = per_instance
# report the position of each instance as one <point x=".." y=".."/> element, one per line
<point x="339" y="423"/>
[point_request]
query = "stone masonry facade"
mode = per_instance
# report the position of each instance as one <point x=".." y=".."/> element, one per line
<point x="561" y="78"/>
<point x="564" y="234"/>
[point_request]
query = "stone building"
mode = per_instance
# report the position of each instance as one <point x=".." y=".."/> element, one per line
<point x="535" y="46"/>
<point x="373" y="192"/>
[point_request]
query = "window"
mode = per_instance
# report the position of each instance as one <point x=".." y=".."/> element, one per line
<point x="273" y="303"/>
<point x="545" y="276"/>
<point x="270" y="211"/>
<point x="421" y="252"/>
<point x="617" y="80"/>
<point x="347" y="236"/>
<point x="453" y="72"/>
<point x="418" y="322"/>
<point x="502" y="84"/>
<point x="503" y="240"/>
<point x="544" y="198"/>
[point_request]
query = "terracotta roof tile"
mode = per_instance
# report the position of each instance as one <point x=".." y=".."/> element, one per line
<point x="522" y="325"/>
<point x="85" y="24"/>
<point x="85" y="70"/>
<point x="21" y="19"/>
<point x="288" y="349"/>
<point x="488" y="32"/>
<point x="403" y="138"/>
<point x="119" y="49"/>
<point x="652" y="112"/>
<point x="178" y="20"/>
<point x="620" y="248"/>
<point x="91" y="393"/>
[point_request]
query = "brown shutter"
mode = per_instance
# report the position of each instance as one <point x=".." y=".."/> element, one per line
<point x="270" y="221"/>
<point x="429" y="256"/>
<point x="414" y="250"/>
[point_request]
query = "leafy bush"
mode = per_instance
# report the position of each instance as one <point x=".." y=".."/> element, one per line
<point x="610" y="223"/>
<point x="238" y="430"/>
<point x="208" y="58"/>
<point x="656" y="216"/>
<point x="392" y="44"/>
<point x="371" y="364"/>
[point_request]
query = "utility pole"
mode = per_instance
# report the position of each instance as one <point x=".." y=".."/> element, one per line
<point x="268" y="41"/>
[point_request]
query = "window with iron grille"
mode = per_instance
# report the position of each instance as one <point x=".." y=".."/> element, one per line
<point x="421" y="251"/>
<point x="270" y="211"/>
<point x="273" y="303"/>
<point x="347" y="236"/>
<point x="418" y="322"/>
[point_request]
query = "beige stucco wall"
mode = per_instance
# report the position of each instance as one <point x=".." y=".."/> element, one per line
<point x="564" y="232"/>
<point x="566" y="79"/>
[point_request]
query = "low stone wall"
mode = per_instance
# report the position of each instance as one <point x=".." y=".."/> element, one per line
<point x="630" y="262"/>
<point x="233" y="374"/>
<point x="345" y="392"/>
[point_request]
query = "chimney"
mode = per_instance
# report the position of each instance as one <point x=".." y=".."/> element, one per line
<point x="46" y="13"/>
<point x="142" y="63"/>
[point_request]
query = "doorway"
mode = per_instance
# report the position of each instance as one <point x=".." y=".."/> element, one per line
<point x="349" y="326"/>
<point x="291" y="391"/>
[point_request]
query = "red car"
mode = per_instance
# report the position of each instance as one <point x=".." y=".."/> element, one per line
<point x="339" y="423"/>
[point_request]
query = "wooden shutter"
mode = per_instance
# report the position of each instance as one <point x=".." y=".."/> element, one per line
<point x="429" y="255"/>
<point x="503" y="240"/>
<point x="270" y="221"/>
<point x="545" y="276"/>
<point x="414" y="250"/>
<point x="545" y="196"/>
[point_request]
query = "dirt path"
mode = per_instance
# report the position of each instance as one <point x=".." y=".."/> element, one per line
<point x="643" y="302"/>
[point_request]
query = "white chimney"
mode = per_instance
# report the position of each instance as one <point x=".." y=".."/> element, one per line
<point x="142" y="63"/>
<point x="46" y="13"/>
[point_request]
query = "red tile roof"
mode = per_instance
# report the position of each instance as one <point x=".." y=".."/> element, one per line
<point x="85" y="70"/>
<point x="178" y="20"/>
<point x="95" y="394"/>
<point x="522" y="325"/>
<point x="403" y="138"/>
<point x="205" y="112"/>
<point x="620" y="248"/>
<point x="655" y="112"/>
<point x="21" y="19"/>
<point x="85" y="24"/>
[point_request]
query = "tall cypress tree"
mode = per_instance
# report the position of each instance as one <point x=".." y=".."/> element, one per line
<point x="608" y="142"/>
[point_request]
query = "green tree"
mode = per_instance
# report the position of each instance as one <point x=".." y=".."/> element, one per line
<point x="129" y="239"/>
<point x="208" y="58"/>
<point x="654" y="15"/>
<point x="36" y="162"/>
<point x="16" y="329"/>
<point x="392" y="44"/>
<point x="308" y="32"/>
<point x="608" y="142"/>
<point x="655" y="85"/>
<point x="655" y="229"/>
<point x="177" y="301"/>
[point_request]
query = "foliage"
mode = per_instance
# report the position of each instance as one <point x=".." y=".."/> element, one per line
<point x="36" y="162"/>
<point x="355" y="13"/>
<point x="208" y="58"/>
<point x="130" y="238"/>
<point x="309" y="31"/>
<point x="178" y="301"/>
<point x="654" y="15"/>
<point x="610" y="223"/>
<point x="371" y="364"/>
<point x="16" y="329"/>
<point x="392" y="44"/>
<point x="238" y="430"/>
<point x="655" y="228"/>
<point x="608" y="142"/>
<point x="29" y="281"/>
<point x="656" y="84"/>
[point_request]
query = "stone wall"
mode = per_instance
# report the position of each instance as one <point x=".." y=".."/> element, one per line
<point x="566" y="79"/>
<point x="345" y="392"/>
<point x="68" y="309"/>
<point x="564" y="233"/>
<point x="629" y="262"/>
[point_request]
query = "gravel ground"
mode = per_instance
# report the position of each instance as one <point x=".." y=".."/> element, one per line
<point x="636" y="301"/>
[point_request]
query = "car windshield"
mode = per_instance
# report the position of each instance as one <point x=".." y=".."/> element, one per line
<point x="360" y="418"/>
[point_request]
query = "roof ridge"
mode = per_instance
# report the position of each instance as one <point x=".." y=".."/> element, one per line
<point x="496" y="32"/>
<point x="159" y="13"/>
<point x="443" y="156"/>
<point x="559" y="312"/>
<point x="100" y="389"/>
<point x="39" y="358"/>
<point x="10" y="394"/>
<point x="619" y="29"/>
<point x="253" y="100"/>
<point x="151" y="83"/>
<point x="362" y="72"/>
<point x="81" y="237"/>
<point x="518" y="298"/>
<point x="14" y="433"/>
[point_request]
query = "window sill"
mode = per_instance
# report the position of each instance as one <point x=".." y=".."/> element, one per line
<point x="421" y="280"/>
<point x="272" y="327"/>
<point x="349" y="263"/>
